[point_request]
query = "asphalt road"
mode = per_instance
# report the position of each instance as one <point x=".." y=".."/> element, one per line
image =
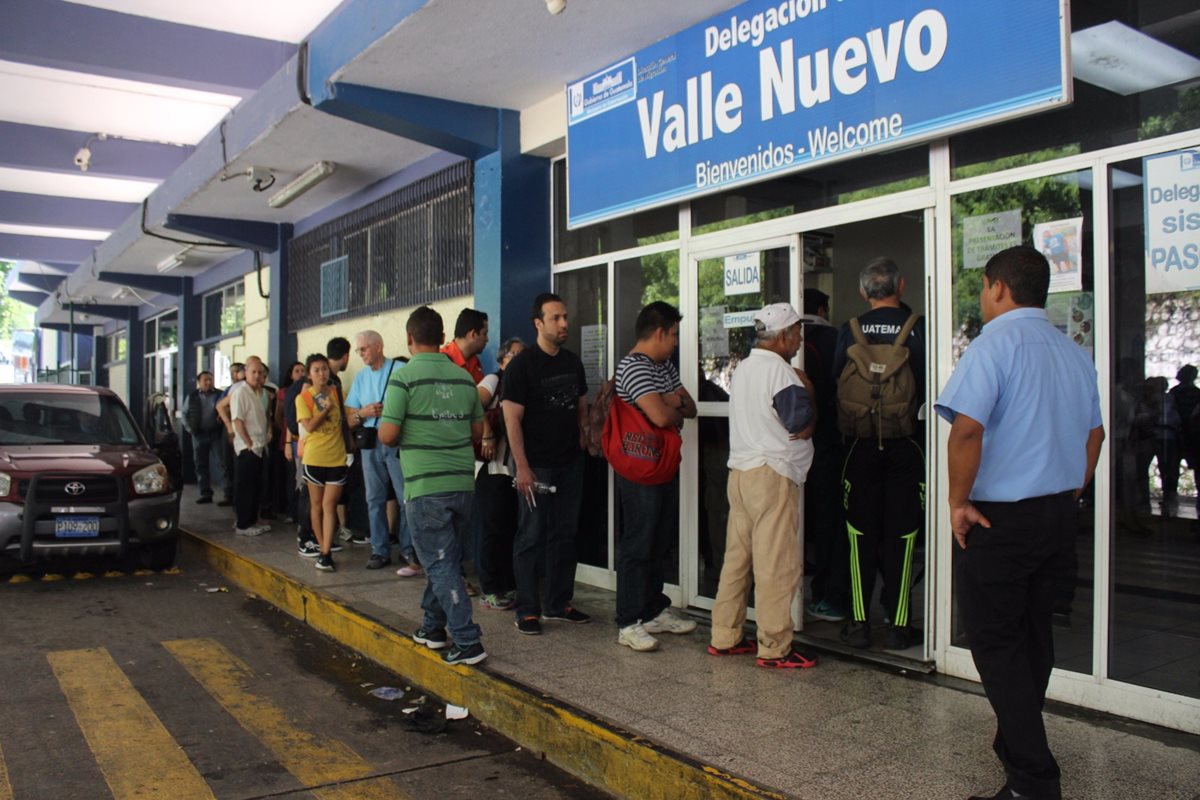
<point x="155" y="685"/>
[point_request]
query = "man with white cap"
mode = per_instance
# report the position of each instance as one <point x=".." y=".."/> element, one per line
<point x="771" y="417"/>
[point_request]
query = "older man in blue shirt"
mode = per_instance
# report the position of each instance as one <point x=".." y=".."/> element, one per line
<point x="1024" y="443"/>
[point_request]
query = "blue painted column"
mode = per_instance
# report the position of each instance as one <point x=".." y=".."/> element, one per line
<point x="191" y="330"/>
<point x="135" y="367"/>
<point x="512" y="234"/>
<point x="281" y="347"/>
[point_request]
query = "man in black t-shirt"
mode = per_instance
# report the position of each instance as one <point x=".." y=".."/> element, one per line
<point x="883" y="481"/>
<point x="545" y="408"/>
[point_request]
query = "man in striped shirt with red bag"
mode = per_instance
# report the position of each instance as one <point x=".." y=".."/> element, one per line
<point x="648" y="381"/>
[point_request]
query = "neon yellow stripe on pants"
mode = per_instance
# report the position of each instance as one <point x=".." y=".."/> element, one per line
<point x="902" y="602"/>
<point x="134" y="751"/>
<point x="856" y="590"/>
<point x="316" y="761"/>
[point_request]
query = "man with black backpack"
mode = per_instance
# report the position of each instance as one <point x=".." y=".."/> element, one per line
<point x="879" y="364"/>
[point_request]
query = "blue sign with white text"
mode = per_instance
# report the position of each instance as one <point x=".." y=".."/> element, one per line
<point x="773" y="87"/>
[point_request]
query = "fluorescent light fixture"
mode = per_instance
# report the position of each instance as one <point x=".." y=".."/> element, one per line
<point x="307" y="180"/>
<point x="1116" y="57"/>
<point x="83" y="234"/>
<point x="171" y="262"/>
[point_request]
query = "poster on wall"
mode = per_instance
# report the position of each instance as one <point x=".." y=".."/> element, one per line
<point x="1172" y="202"/>
<point x="1073" y="313"/>
<point x="593" y="348"/>
<point x="987" y="234"/>
<point x="714" y="338"/>
<point x="1061" y="242"/>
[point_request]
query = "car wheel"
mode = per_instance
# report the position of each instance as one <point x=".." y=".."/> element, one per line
<point x="158" y="555"/>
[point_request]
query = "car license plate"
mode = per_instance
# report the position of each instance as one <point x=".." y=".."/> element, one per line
<point x="76" y="527"/>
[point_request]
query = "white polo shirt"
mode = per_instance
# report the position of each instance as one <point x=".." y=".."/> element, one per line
<point x="246" y="405"/>
<point x="763" y="386"/>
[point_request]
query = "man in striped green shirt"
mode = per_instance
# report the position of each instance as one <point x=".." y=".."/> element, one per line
<point x="432" y="411"/>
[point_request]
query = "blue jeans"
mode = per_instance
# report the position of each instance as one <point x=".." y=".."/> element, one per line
<point x="381" y="464"/>
<point x="210" y="466"/>
<point x="439" y="522"/>
<point x="545" y="543"/>
<point x="649" y="525"/>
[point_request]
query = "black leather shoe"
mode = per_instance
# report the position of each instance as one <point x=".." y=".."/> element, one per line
<point x="377" y="561"/>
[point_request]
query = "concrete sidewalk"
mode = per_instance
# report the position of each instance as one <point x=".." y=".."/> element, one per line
<point x="679" y="723"/>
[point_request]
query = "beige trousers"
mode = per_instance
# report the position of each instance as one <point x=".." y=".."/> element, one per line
<point x="762" y="542"/>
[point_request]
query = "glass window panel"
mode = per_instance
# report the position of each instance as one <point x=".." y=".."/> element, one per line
<point x="1097" y="118"/>
<point x="635" y="230"/>
<point x="712" y="512"/>
<point x="639" y="282"/>
<point x="585" y="293"/>
<point x="168" y="330"/>
<point x="725" y="327"/>
<point x="233" y="309"/>
<point x="1154" y="453"/>
<point x="212" y="314"/>
<point x="1055" y="214"/>
<point x="833" y="184"/>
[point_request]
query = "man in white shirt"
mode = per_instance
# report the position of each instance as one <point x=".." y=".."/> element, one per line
<point x="248" y="411"/>
<point x="771" y="418"/>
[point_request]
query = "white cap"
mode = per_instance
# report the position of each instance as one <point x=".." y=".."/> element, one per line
<point x="777" y="317"/>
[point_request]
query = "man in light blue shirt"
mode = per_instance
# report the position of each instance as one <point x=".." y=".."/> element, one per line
<point x="381" y="463"/>
<point x="1025" y="438"/>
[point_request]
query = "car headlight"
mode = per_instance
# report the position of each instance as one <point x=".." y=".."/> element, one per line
<point x="5" y="484"/>
<point x="151" y="480"/>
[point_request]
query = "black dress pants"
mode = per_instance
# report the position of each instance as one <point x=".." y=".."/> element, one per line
<point x="249" y="469"/>
<point x="1006" y="580"/>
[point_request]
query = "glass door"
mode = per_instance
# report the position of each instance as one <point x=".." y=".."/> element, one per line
<point x="731" y="283"/>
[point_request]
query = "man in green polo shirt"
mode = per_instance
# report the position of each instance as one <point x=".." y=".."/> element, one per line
<point x="432" y="411"/>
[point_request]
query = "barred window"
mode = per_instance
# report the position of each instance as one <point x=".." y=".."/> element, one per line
<point x="412" y="247"/>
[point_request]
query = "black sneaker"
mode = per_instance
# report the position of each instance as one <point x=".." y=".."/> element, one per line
<point x="434" y="640"/>
<point x="325" y="563"/>
<point x="336" y="547"/>
<point x="471" y="654"/>
<point x="203" y="499"/>
<point x="377" y="561"/>
<point x="310" y="549"/>
<point x="360" y="538"/>
<point x="530" y="626"/>
<point x="568" y="614"/>
<point x="225" y="502"/>
<point x="856" y="634"/>
<point x="901" y="637"/>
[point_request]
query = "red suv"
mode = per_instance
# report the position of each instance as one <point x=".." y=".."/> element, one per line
<point x="78" y="478"/>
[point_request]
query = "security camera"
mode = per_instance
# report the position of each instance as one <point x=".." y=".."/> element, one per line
<point x="83" y="159"/>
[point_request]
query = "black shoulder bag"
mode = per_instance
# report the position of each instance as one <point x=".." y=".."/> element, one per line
<point x="364" y="437"/>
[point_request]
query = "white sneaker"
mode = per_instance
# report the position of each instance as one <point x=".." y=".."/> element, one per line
<point x="669" y="622"/>
<point x="253" y="530"/>
<point x="634" y="636"/>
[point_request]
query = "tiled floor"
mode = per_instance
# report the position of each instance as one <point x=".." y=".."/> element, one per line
<point x="843" y="730"/>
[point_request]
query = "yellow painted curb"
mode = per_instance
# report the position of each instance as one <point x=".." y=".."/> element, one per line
<point x="616" y="761"/>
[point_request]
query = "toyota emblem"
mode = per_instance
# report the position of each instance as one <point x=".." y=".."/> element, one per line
<point x="75" y="488"/>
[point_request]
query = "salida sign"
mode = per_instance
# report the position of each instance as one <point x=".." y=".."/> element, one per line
<point x="772" y="87"/>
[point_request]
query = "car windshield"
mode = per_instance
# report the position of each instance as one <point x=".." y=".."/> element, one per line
<point x="33" y="418"/>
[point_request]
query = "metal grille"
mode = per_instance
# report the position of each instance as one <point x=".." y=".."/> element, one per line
<point x="54" y="490"/>
<point x="412" y="247"/>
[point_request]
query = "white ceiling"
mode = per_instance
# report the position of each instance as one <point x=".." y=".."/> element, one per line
<point x="512" y="53"/>
<point x="280" y="20"/>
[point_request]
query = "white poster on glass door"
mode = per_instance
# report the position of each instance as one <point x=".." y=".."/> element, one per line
<point x="1172" y="202"/>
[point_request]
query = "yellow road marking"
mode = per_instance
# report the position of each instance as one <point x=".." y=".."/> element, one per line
<point x="312" y="759"/>
<point x="5" y="786"/>
<point x="134" y="751"/>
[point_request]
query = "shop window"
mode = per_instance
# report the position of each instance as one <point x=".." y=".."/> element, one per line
<point x="585" y="293"/>
<point x="1099" y="117"/>
<point x="1153" y="449"/>
<point x="225" y="310"/>
<point x="1054" y="214"/>
<point x="827" y="185"/>
<point x="726" y="325"/>
<point x="635" y="230"/>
